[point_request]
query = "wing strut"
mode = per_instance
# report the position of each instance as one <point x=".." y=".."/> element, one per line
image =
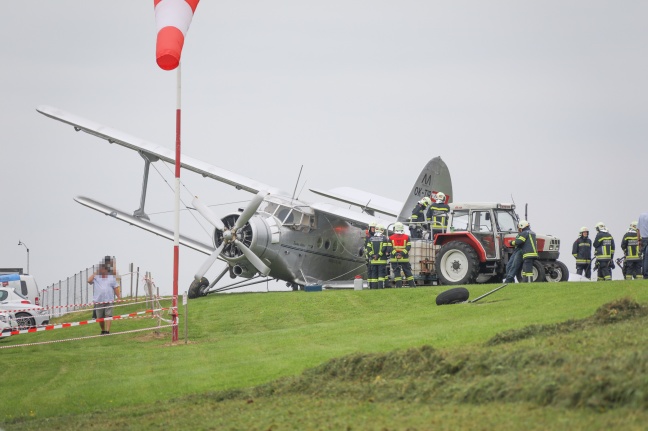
<point x="148" y="159"/>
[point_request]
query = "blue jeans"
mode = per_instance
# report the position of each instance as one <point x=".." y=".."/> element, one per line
<point x="513" y="266"/>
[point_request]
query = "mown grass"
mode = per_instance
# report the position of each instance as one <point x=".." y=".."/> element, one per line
<point x="374" y="360"/>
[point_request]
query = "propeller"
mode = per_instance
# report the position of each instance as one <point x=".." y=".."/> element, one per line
<point x="229" y="236"/>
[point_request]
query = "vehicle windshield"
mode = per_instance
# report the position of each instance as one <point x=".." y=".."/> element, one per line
<point x="506" y="221"/>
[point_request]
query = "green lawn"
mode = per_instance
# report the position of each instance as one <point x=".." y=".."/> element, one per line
<point x="242" y="340"/>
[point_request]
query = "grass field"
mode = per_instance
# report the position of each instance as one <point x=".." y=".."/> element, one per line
<point x="534" y="356"/>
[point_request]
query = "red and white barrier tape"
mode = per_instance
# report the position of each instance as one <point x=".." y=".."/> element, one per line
<point x="83" y="338"/>
<point x="69" y="325"/>
<point x="115" y="304"/>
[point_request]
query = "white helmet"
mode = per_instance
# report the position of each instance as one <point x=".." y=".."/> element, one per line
<point x="440" y="196"/>
<point x="633" y="225"/>
<point x="398" y="227"/>
<point x="425" y="201"/>
<point x="584" y="229"/>
<point x="380" y="228"/>
<point x="523" y="224"/>
<point x="373" y="224"/>
<point x="600" y="226"/>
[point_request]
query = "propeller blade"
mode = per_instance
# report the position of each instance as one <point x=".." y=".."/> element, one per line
<point x="209" y="262"/>
<point x="253" y="258"/>
<point x="207" y="214"/>
<point x="250" y="209"/>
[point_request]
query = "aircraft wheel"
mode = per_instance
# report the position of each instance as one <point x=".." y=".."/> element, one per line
<point x="195" y="290"/>
<point x="457" y="263"/>
<point x="453" y="296"/>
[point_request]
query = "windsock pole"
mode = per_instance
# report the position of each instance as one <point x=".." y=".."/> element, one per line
<point x="176" y="234"/>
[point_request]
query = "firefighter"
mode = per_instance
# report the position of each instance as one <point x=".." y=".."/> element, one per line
<point x="400" y="247"/>
<point x="642" y="231"/>
<point x="525" y="241"/>
<point x="582" y="252"/>
<point x="630" y="246"/>
<point x="419" y="216"/>
<point x="437" y="214"/>
<point x="604" y="251"/>
<point x="368" y="234"/>
<point x="377" y="249"/>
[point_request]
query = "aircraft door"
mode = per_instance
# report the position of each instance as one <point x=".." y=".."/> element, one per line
<point x="483" y="229"/>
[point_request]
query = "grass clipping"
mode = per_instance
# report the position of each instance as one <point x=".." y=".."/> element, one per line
<point x="587" y="363"/>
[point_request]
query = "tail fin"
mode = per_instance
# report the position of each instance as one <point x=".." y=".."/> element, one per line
<point x="435" y="177"/>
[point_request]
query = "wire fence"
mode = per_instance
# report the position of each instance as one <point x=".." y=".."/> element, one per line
<point x="75" y="293"/>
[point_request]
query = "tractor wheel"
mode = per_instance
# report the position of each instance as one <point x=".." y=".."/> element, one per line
<point x="453" y="296"/>
<point x="557" y="271"/>
<point x="457" y="263"/>
<point x="196" y="288"/>
<point x="539" y="274"/>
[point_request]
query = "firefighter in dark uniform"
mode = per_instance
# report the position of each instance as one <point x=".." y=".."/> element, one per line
<point x="377" y="249"/>
<point x="400" y="247"/>
<point x="604" y="251"/>
<point x="438" y="215"/>
<point x="419" y="214"/>
<point x="368" y="234"/>
<point x="630" y="246"/>
<point x="582" y="252"/>
<point x="525" y="241"/>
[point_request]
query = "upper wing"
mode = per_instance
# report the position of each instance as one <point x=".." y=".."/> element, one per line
<point x="365" y="200"/>
<point x="154" y="151"/>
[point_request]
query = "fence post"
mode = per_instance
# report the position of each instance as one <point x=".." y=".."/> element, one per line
<point x="130" y="269"/>
<point x="137" y="285"/>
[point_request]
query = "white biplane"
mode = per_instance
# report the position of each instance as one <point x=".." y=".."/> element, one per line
<point x="275" y="236"/>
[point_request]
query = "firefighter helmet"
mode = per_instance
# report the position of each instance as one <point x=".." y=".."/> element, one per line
<point x="523" y="224"/>
<point x="600" y="226"/>
<point x="373" y="224"/>
<point x="425" y="201"/>
<point x="398" y="227"/>
<point x="584" y="229"/>
<point x="440" y="196"/>
<point x="380" y="228"/>
<point x="633" y="225"/>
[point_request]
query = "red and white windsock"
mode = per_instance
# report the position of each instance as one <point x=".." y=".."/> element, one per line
<point x="172" y="18"/>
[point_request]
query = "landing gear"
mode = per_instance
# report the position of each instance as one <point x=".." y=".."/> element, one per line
<point x="198" y="288"/>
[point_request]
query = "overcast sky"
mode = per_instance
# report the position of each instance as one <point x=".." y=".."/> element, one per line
<point x="541" y="101"/>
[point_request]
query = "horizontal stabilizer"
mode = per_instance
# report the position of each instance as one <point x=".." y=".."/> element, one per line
<point x="360" y="219"/>
<point x="143" y="224"/>
<point x="369" y="202"/>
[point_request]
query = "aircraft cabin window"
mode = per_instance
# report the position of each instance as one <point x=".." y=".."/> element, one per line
<point x="320" y="241"/>
<point x="3" y="295"/>
<point x="335" y="245"/>
<point x="327" y="244"/>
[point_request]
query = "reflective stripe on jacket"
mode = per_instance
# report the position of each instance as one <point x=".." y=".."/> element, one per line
<point x="378" y="246"/>
<point x="438" y="215"/>
<point x="630" y="245"/>
<point x="604" y="245"/>
<point x="400" y="243"/>
<point x="582" y="250"/>
<point x="526" y="242"/>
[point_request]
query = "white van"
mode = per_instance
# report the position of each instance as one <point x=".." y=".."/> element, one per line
<point x="23" y="284"/>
